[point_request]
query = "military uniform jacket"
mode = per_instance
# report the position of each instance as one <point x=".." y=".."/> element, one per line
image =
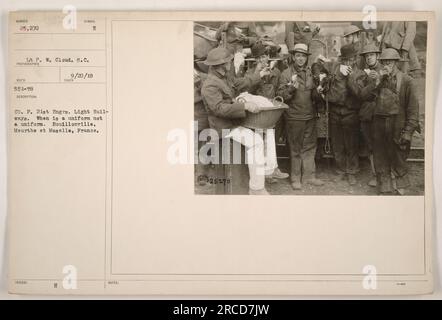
<point x="219" y="92"/>
<point x="397" y="95"/>
<point x="300" y="100"/>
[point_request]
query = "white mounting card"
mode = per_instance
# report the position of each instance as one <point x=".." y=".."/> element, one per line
<point x="104" y="196"/>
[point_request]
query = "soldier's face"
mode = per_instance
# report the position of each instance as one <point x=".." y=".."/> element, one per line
<point x="389" y="64"/>
<point x="349" y="61"/>
<point x="371" y="58"/>
<point x="224" y="68"/>
<point x="264" y="59"/>
<point x="351" y="38"/>
<point x="228" y="65"/>
<point x="300" y="59"/>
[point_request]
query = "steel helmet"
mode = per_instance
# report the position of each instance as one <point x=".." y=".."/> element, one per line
<point x="389" y="54"/>
<point x="370" y="48"/>
<point x="350" y="30"/>
<point x="218" y="56"/>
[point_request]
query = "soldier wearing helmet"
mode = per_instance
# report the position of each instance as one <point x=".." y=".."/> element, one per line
<point x="396" y="117"/>
<point x="365" y="81"/>
<point x="400" y="35"/>
<point x="220" y="88"/>
<point x="237" y="35"/>
<point x="219" y="91"/>
<point x="352" y="36"/>
<point x="300" y="32"/>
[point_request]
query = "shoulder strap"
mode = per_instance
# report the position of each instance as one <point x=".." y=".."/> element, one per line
<point x="399" y="77"/>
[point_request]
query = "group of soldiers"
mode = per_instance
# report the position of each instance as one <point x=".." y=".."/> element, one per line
<point x="367" y="90"/>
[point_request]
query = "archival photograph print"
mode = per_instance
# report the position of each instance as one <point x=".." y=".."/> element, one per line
<point x="309" y="108"/>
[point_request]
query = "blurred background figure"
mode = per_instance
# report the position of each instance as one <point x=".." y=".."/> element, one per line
<point x="236" y="35"/>
<point x="352" y="37"/>
<point x="400" y="35"/>
<point x="300" y="32"/>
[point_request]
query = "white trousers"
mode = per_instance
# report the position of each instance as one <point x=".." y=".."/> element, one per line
<point x="260" y="153"/>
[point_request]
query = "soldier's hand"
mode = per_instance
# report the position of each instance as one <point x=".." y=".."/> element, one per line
<point x="373" y="75"/>
<point x="264" y="72"/>
<point x="260" y="66"/>
<point x="388" y="69"/>
<point x="345" y="70"/>
<point x="405" y="137"/>
<point x="403" y="146"/>
<point x="251" y="107"/>
<point x="404" y="140"/>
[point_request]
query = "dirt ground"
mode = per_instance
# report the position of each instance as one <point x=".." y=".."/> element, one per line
<point x="333" y="185"/>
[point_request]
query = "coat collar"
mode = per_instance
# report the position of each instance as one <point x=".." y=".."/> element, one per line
<point x="214" y="73"/>
<point x="376" y="67"/>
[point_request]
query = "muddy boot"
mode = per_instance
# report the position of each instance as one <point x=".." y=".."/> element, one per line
<point x="296" y="185"/>
<point x="351" y="179"/>
<point x="315" y="182"/>
<point x="339" y="176"/>
<point x="373" y="182"/>
<point x="271" y="180"/>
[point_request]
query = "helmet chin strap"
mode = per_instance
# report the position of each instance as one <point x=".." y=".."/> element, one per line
<point x="221" y="69"/>
<point x="374" y="64"/>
